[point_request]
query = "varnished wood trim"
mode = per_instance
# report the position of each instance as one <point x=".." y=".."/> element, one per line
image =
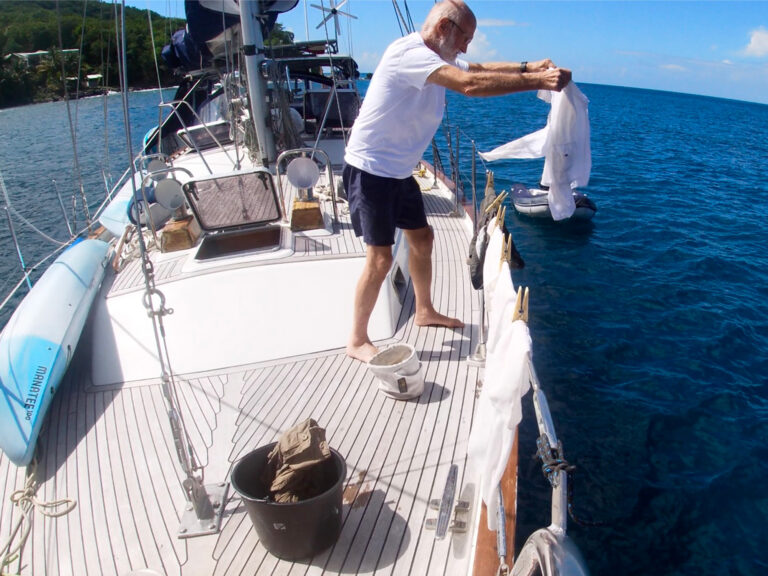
<point x="486" y="555"/>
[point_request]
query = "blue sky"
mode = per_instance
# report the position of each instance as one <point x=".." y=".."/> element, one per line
<point x="702" y="47"/>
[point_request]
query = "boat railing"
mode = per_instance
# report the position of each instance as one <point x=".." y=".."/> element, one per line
<point x="549" y="551"/>
<point x="174" y="107"/>
<point x="462" y="170"/>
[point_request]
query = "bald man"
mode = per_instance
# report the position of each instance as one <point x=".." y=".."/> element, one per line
<point x="400" y="114"/>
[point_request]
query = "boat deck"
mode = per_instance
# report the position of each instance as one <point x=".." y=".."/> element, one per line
<point x="110" y="448"/>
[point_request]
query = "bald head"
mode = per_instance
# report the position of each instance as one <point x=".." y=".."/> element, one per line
<point x="454" y="10"/>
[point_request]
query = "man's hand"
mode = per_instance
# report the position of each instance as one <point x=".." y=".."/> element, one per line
<point x="540" y="65"/>
<point x="555" y="79"/>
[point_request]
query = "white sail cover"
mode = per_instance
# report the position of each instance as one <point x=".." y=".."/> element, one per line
<point x="564" y="143"/>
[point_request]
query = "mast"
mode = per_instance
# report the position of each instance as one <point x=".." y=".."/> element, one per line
<point x="253" y="50"/>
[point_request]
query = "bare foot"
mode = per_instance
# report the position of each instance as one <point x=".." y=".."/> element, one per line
<point x="364" y="352"/>
<point x="436" y="319"/>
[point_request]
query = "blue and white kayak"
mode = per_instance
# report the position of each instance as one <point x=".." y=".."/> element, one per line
<point x="37" y="344"/>
<point x="535" y="203"/>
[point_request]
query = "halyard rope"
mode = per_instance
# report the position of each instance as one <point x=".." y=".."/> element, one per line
<point x="27" y="502"/>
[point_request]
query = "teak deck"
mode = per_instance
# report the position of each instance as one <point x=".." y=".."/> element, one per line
<point x="111" y="448"/>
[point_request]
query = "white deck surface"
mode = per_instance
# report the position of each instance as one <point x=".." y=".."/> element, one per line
<point x="110" y="447"/>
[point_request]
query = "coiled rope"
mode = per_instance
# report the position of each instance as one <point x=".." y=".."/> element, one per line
<point x="27" y="502"/>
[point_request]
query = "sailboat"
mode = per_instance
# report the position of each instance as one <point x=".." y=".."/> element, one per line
<point x="218" y="308"/>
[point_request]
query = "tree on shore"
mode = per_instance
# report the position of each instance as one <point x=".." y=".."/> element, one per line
<point x="28" y="26"/>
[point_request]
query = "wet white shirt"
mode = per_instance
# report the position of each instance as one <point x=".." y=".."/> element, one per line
<point x="564" y="143"/>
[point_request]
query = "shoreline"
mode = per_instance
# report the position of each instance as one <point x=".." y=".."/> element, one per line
<point x="85" y="94"/>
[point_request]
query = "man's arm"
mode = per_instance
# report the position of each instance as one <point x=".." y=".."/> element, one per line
<point x="495" y="79"/>
<point x="511" y="67"/>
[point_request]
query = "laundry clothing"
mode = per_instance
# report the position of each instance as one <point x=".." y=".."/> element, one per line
<point x="292" y="466"/>
<point x="476" y="259"/>
<point x="564" y="143"/>
<point x="401" y="110"/>
<point x="491" y="262"/>
<point x="478" y="247"/>
<point x="506" y="380"/>
<point x="502" y="305"/>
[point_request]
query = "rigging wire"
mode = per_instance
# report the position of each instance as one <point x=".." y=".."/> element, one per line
<point x="408" y="12"/>
<point x="229" y="63"/>
<point x="333" y="94"/>
<point x="72" y="126"/>
<point x="401" y="22"/>
<point x="157" y="72"/>
<point x="106" y="168"/>
<point x="153" y="299"/>
<point x="154" y="54"/>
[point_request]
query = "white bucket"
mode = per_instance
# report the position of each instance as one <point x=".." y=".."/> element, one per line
<point x="399" y="372"/>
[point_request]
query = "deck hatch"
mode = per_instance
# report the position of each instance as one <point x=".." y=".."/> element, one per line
<point x="233" y="202"/>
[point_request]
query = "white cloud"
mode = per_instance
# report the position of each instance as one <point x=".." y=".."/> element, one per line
<point x="495" y="23"/>
<point x="673" y="67"/>
<point x="758" y="43"/>
<point x="480" y="48"/>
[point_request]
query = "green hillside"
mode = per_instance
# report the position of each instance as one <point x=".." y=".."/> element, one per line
<point x="28" y="26"/>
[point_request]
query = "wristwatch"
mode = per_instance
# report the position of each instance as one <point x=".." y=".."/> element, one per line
<point x="523" y="66"/>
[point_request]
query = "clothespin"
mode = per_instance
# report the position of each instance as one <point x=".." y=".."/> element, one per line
<point x="489" y="182"/>
<point x="496" y="201"/>
<point x="508" y="249"/>
<point x="505" y="247"/>
<point x="521" y="305"/>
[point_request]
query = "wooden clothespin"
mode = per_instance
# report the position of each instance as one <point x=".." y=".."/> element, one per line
<point x="501" y="213"/>
<point x="500" y="216"/>
<point x="496" y="201"/>
<point x="506" y="244"/>
<point x="508" y="249"/>
<point x="489" y="186"/>
<point x="521" y="305"/>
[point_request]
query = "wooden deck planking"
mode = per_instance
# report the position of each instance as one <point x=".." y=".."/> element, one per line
<point x="359" y="444"/>
<point x="378" y="446"/>
<point x="112" y="447"/>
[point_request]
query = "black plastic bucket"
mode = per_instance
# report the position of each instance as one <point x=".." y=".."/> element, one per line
<point x="291" y="530"/>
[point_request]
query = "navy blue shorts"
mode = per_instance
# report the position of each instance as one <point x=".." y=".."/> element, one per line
<point x="378" y="205"/>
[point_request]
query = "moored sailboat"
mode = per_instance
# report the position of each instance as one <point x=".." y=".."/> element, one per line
<point x="222" y="322"/>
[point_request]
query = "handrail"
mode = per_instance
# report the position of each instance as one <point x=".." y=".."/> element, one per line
<point x="174" y="106"/>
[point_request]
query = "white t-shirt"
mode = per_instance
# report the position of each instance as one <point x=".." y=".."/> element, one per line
<point x="401" y="111"/>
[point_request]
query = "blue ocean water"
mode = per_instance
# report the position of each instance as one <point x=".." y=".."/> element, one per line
<point x="37" y="159"/>
<point x="650" y="328"/>
<point x="649" y="324"/>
